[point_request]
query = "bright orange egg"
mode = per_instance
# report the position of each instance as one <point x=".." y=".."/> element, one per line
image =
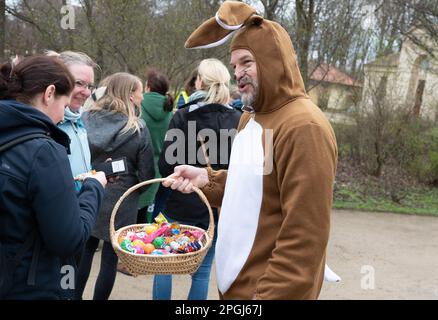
<point x="148" y="248"/>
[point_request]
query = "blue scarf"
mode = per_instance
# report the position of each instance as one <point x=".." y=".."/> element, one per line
<point x="197" y="95"/>
<point x="72" y="116"/>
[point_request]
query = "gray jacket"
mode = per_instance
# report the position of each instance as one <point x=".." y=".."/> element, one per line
<point x="107" y="141"/>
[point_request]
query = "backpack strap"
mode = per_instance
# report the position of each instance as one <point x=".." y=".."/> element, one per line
<point x="24" y="248"/>
<point x="22" y="139"/>
<point x="31" y="276"/>
<point x="31" y="240"/>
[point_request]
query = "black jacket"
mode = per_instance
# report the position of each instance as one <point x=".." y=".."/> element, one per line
<point x="37" y="194"/>
<point x="182" y="146"/>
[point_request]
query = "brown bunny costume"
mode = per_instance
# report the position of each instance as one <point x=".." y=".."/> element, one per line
<point x="276" y="197"/>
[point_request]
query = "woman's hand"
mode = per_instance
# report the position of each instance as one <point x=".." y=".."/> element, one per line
<point x="99" y="176"/>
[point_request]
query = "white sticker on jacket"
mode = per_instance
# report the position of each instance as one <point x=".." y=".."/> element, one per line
<point x="118" y="166"/>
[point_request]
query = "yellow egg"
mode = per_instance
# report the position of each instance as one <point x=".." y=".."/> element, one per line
<point x="140" y="244"/>
<point x="150" y="228"/>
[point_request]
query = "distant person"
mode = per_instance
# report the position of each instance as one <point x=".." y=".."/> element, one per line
<point x="189" y="87"/>
<point x="197" y="96"/>
<point x="98" y="93"/>
<point x="236" y="98"/>
<point x="43" y="221"/>
<point x="214" y="114"/>
<point x="157" y="109"/>
<point x="115" y="131"/>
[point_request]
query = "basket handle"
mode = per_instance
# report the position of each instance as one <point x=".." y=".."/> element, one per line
<point x="210" y="230"/>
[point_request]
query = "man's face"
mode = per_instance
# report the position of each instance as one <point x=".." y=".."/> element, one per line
<point x="245" y="72"/>
<point x="84" y="77"/>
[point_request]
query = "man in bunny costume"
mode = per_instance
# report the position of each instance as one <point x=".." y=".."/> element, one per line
<point x="276" y="197"/>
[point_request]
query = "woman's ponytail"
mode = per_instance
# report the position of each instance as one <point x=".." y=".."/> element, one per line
<point x="32" y="76"/>
<point x="215" y="80"/>
<point x="168" y="103"/>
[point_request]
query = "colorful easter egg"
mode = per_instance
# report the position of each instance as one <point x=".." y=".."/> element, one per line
<point x="148" y="248"/>
<point x="139" y="243"/>
<point x="174" y="245"/>
<point x="158" y="242"/>
<point x="127" y="246"/>
<point x="150" y="228"/>
<point x="130" y="235"/>
<point x="139" y="250"/>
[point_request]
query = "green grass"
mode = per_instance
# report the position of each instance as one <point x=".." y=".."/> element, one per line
<point x="423" y="202"/>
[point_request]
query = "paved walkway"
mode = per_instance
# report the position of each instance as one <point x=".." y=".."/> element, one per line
<point x="401" y="252"/>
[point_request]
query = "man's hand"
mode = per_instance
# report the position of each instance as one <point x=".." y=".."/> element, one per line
<point x="185" y="177"/>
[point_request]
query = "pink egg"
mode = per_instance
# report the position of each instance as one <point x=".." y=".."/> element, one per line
<point x="138" y="250"/>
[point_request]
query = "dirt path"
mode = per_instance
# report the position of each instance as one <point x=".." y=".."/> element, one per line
<point x="400" y="250"/>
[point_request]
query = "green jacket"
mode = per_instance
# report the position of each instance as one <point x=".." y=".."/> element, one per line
<point x="157" y="120"/>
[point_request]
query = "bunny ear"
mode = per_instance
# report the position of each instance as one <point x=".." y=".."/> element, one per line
<point x="231" y="16"/>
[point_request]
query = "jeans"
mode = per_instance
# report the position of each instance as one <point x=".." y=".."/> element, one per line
<point x="107" y="273"/>
<point x="162" y="289"/>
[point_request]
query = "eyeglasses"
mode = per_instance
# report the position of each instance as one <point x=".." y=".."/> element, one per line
<point x="84" y="85"/>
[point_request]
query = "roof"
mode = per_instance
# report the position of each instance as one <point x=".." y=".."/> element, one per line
<point x="328" y="73"/>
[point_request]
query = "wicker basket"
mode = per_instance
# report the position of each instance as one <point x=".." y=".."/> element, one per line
<point x="141" y="264"/>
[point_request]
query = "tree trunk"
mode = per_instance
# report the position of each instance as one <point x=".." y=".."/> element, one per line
<point x="379" y="160"/>
<point x="2" y="30"/>
<point x="305" y="11"/>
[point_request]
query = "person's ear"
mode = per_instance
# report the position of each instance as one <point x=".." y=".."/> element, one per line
<point x="49" y="94"/>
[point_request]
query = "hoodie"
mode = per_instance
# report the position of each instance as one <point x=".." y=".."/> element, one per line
<point x="276" y="196"/>
<point x="37" y="194"/>
<point x="157" y="120"/>
<point x="106" y="140"/>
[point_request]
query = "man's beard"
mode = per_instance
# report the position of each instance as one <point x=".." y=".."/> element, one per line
<point x="248" y="99"/>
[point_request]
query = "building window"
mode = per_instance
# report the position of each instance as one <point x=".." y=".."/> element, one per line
<point x="419" y="97"/>
<point x="323" y="99"/>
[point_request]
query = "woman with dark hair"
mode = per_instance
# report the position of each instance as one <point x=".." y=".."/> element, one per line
<point x="43" y="220"/>
<point x="189" y="88"/>
<point x="157" y="108"/>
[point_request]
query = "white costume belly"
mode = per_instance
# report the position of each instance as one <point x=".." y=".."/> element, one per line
<point x="241" y="205"/>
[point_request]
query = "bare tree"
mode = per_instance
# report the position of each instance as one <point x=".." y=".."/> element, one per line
<point x="424" y="17"/>
<point x="305" y="18"/>
<point x="274" y="9"/>
<point x="2" y="29"/>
